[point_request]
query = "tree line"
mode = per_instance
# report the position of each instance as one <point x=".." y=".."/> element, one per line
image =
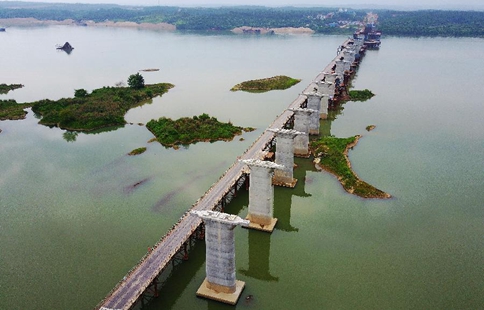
<point x="432" y="23"/>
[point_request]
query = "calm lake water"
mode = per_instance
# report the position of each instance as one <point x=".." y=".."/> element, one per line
<point x="72" y="223"/>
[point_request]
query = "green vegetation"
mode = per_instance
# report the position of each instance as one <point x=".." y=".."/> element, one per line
<point x="136" y="81"/>
<point x="137" y="151"/>
<point x="80" y="93"/>
<point x="263" y="85"/>
<point x="331" y="155"/>
<point x="186" y="130"/>
<point x="5" y="88"/>
<point x="360" y="95"/>
<point x="104" y="107"/>
<point x="11" y="110"/>
<point x="432" y="23"/>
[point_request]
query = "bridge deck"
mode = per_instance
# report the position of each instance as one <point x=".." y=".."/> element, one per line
<point x="125" y="294"/>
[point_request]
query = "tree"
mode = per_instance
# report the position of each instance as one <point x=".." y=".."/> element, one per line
<point x="80" y="93"/>
<point x="136" y="81"/>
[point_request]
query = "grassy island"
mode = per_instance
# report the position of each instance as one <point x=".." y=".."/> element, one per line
<point x="331" y="154"/>
<point x="186" y="130"/>
<point x="137" y="151"/>
<point x="360" y="95"/>
<point x="11" y="110"/>
<point x="370" y="127"/>
<point x="263" y="85"/>
<point x="5" y="88"/>
<point x="104" y="107"/>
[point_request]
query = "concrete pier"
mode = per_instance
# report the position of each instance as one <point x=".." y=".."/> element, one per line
<point x="323" y="114"/>
<point x="314" y="103"/>
<point x="261" y="194"/>
<point x="220" y="283"/>
<point x="330" y="77"/>
<point x="285" y="157"/>
<point x="339" y="70"/>
<point x="349" y="55"/>
<point x="325" y="87"/>
<point x="302" y="119"/>
<point x="347" y="65"/>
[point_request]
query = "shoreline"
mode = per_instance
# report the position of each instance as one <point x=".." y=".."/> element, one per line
<point x="29" y="21"/>
<point x="33" y="22"/>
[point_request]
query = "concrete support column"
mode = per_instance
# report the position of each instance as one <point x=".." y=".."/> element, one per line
<point x="330" y="77"/>
<point x="349" y="55"/>
<point x="314" y="103"/>
<point x="339" y="70"/>
<point x="301" y="124"/>
<point x="326" y="87"/>
<point x="261" y="194"/>
<point x="347" y="65"/>
<point x="285" y="157"/>
<point x="323" y="113"/>
<point x="220" y="283"/>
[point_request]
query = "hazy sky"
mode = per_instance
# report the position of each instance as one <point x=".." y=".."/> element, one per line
<point x="434" y="4"/>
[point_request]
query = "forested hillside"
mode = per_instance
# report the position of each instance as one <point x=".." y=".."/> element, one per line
<point x="321" y="20"/>
<point x="432" y="23"/>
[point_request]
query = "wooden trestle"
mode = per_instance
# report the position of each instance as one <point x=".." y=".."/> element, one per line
<point x="142" y="280"/>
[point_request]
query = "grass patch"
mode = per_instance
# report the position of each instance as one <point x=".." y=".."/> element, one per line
<point x="267" y="84"/>
<point x="5" y="88"/>
<point x="104" y="107"/>
<point x="137" y="151"/>
<point x="186" y="130"/>
<point x="360" y="95"/>
<point x="370" y="127"/>
<point x="331" y="155"/>
<point x="11" y="110"/>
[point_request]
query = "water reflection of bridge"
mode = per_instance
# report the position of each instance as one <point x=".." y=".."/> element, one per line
<point x="143" y="279"/>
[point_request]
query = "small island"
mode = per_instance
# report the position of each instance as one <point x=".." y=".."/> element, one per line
<point x="370" y="127"/>
<point x="11" y="110"/>
<point x="137" y="151"/>
<point x="360" y="95"/>
<point x="331" y="154"/>
<point x="5" y="88"/>
<point x="186" y="130"/>
<point x="276" y="82"/>
<point x="102" y="108"/>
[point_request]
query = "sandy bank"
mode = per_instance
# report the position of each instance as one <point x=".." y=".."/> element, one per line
<point x="19" y="22"/>
<point x="9" y="22"/>
<point x="284" y="30"/>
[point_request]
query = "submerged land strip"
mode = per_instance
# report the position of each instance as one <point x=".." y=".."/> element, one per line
<point x="331" y="154"/>
<point x="5" y="88"/>
<point x="11" y="110"/>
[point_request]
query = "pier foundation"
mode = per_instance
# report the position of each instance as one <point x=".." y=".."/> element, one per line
<point x="301" y="124"/>
<point x="314" y="103"/>
<point x="340" y="68"/>
<point x="220" y="283"/>
<point x="261" y="194"/>
<point x="325" y="87"/>
<point x="323" y="113"/>
<point x="330" y="77"/>
<point x="285" y="157"/>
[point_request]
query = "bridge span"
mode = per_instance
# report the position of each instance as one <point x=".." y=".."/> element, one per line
<point x="144" y="275"/>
